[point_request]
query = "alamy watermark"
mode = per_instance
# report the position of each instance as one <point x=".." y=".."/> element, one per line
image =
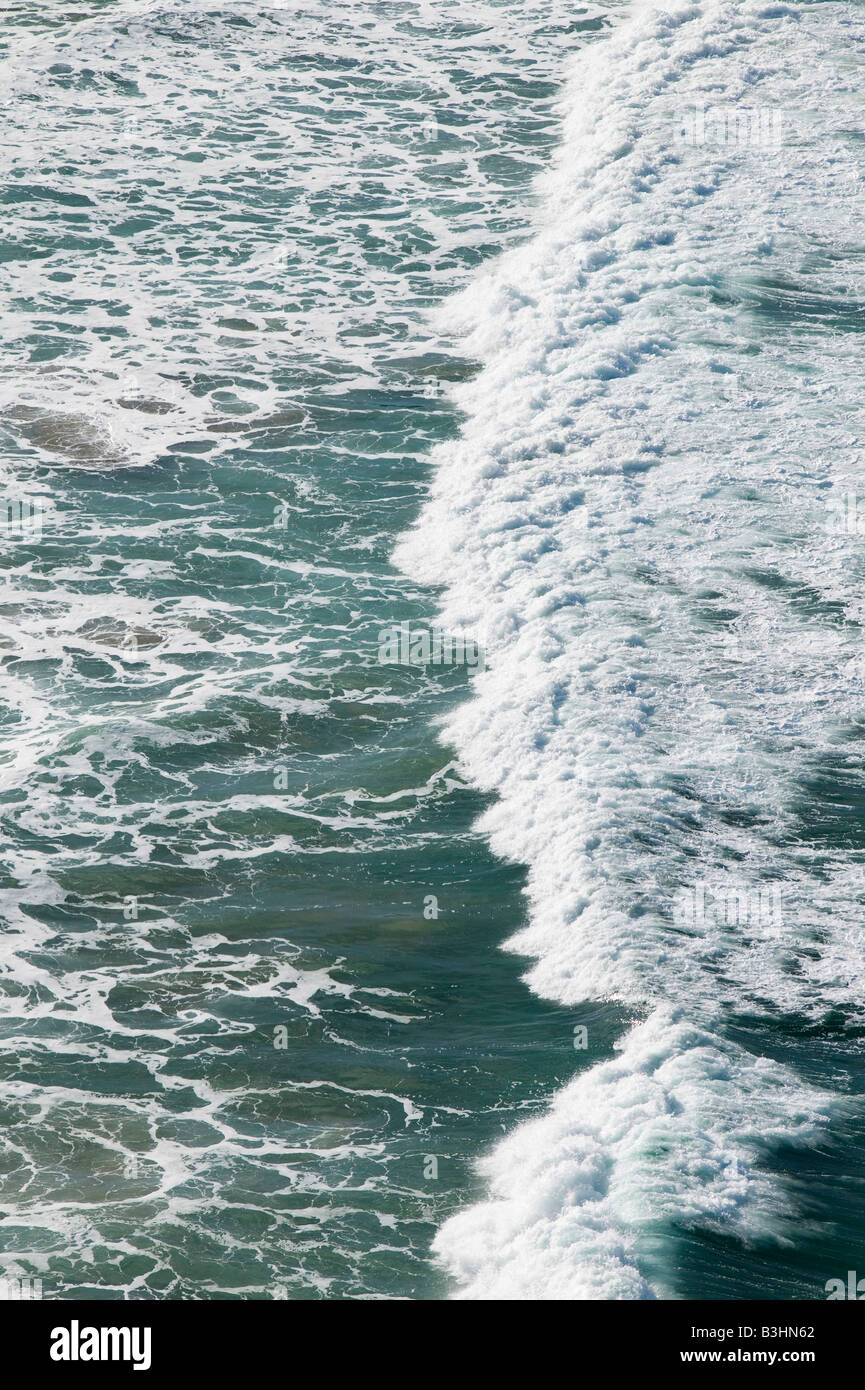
<point x="736" y="904"/>
<point x="762" y="127"/>
<point x="20" y="1290"/>
<point x="24" y="517"/>
<point x="854" y="1288"/>
<point x="402" y="645"/>
<point x="845" y="513"/>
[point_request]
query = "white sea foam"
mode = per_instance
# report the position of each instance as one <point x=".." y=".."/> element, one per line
<point x="636" y="515"/>
<point x="670" y="1130"/>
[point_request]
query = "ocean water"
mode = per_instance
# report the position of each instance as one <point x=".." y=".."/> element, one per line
<point x="530" y="321"/>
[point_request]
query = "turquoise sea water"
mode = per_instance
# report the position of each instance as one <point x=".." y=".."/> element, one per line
<point x="256" y="1026"/>
<point x="221" y="814"/>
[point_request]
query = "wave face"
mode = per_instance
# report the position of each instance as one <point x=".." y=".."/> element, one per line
<point x="652" y="514"/>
